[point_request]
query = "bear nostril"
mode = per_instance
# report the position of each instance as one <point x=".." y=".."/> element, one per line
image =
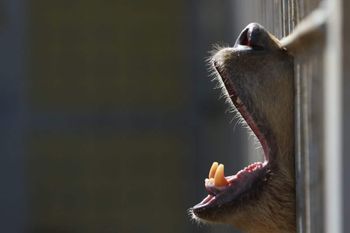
<point x="250" y="37"/>
<point x="243" y="39"/>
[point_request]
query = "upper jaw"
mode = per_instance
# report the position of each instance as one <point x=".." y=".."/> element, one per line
<point x="243" y="103"/>
<point x="232" y="65"/>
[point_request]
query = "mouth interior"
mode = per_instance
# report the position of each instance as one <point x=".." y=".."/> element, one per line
<point x="219" y="185"/>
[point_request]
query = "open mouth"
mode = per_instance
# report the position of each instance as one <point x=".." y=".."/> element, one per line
<point x="231" y="190"/>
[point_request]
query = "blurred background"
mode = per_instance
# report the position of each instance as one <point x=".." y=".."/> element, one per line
<point x="109" y="119"/>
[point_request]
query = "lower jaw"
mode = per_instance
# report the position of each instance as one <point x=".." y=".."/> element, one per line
<point x="233" y="196"/>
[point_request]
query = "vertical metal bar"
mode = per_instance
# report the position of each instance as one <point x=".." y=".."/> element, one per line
<point x="300" y="180"/>
<point x="346" y="114"/>
<point x="333" y="120"/>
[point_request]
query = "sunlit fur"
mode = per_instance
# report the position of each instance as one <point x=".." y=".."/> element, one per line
<point x="219" y="84"/>
<point x="264" y="81"/>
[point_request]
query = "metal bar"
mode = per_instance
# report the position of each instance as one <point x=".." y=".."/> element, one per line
<point x="307" y="34"/>
<point x="333" y="120"/>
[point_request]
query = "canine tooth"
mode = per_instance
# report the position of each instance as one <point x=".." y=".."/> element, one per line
<point x="219" y="178"/>
<point x="212" y="170"/>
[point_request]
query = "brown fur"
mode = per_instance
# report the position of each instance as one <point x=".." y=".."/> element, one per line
<point x="263" y="80"/>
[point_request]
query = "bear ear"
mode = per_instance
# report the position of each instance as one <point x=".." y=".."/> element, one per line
<point x="255" y="37"/>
